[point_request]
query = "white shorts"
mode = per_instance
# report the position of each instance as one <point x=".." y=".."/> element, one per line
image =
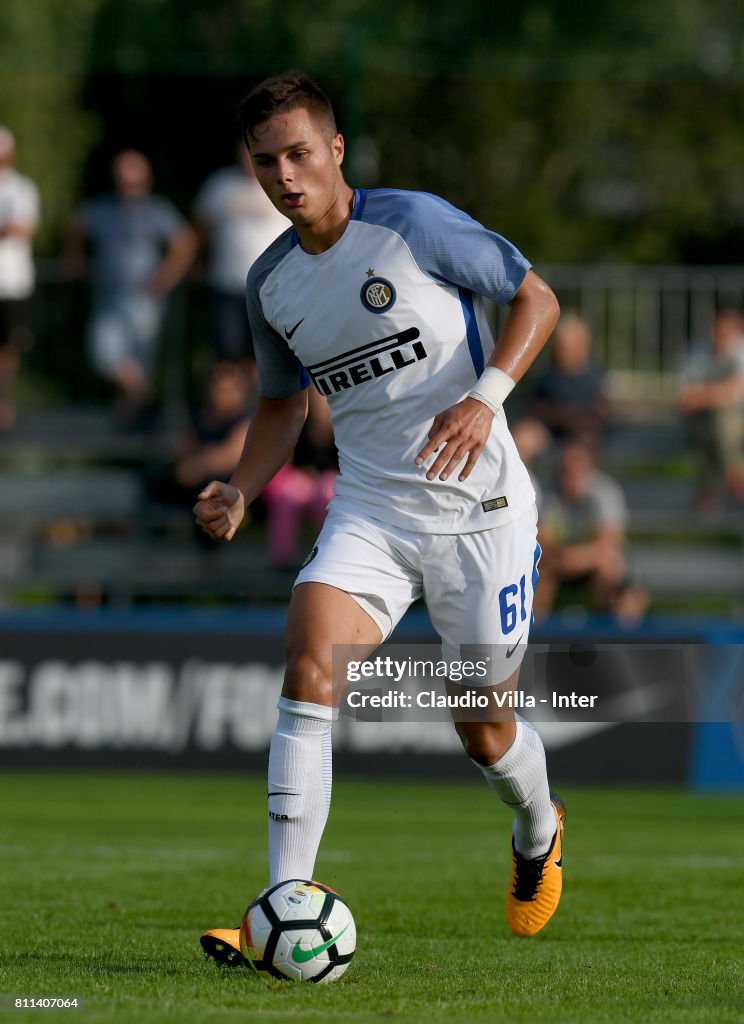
<point x="478" y="587"/>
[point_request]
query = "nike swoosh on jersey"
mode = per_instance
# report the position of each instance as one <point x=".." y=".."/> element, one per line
<point x="288" y="334"/>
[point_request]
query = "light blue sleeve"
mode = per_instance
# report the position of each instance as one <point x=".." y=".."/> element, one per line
<point x="280" y="373"/>
<point x="447" y="244"/>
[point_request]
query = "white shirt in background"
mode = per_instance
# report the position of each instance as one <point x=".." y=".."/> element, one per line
<point x="242" y="223"/>
<point x="19" y="205"/>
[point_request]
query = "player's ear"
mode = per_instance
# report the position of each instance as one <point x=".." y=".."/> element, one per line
<point x="337" y="148"/>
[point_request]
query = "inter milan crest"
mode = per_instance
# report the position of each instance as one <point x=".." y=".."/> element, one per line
<point x="377" y="294"/>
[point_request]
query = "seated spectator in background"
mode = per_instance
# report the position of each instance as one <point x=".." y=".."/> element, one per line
<point x="582" y="534"/>
<point x="237" y="221"/>
<point x="211" y="447"/>
<point x="302" y="488"/>
<point x="532" y="440"/>
<point x="19" y="218"/>
<point x="711" y="399"/>
<point x="569" y="398"/>
<point x="140" y="248"/>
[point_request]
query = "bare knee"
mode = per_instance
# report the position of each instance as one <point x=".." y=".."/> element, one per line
<point x="486" y="742"/>
<point x="307" y="679"/>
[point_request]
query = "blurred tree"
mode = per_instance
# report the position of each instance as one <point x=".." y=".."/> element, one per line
<point x="43" y="61"/>
<point x="584" y="133"/>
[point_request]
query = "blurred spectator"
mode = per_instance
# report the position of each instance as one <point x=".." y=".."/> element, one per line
<point x="569" y="397"/>
<point x="237" y="221"/>
<point x="532" y="440"/>
<point x="19" y="218"/>
<point x="211" y="446"/>
<point x="582" y="534"/>
<point x="303" y="487"/>
<point x="141" y="247"/>
<point x="711" y="399"/>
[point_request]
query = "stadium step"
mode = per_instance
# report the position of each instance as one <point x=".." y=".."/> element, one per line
<point x="694" y="570"/>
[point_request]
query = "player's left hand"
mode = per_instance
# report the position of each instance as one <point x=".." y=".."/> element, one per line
<point x="462" y="430"/>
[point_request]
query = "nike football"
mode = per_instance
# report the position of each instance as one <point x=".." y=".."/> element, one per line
<point x="300" y="930"/>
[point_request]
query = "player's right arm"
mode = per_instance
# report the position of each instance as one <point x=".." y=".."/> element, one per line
<point x="270" y="441"/>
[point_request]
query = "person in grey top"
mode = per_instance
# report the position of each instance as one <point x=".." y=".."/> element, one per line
<point x="710" y="397"/>
<point x="582" y="535"/>
<point x="140" y="248"/>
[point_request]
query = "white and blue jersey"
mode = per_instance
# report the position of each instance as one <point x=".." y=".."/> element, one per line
<point x="389" y="325"/>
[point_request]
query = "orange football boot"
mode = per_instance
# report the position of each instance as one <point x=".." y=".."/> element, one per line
<point x="535" y="888"/>
<point x="223" y="945"/>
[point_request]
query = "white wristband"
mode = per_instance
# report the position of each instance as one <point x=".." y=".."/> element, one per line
<point x="492" y="388"/>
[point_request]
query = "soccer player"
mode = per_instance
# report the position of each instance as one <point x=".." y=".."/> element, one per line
<point x="375" y="298"/>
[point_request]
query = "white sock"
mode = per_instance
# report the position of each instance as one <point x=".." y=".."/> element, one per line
<point x="299" y="787"/>
<point x="521" y="780"/>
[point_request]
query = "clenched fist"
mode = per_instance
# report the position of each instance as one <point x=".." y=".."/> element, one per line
<point x="219" y="510"/>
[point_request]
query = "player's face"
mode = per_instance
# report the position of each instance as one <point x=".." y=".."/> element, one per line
<point x="298" y="164"/>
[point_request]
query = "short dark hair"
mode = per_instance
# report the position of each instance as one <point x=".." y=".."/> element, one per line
<point x="291" y="90"/>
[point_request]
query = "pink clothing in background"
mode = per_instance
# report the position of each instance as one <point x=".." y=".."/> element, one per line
<point x="292" y="497"/>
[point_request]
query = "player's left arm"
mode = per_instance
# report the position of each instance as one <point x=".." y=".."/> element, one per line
<point x="461" y="431"/>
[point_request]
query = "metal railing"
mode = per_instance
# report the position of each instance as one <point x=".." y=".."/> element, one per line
<point x="643" y="318"/>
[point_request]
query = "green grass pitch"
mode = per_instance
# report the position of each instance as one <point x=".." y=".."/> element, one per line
<point x="108" y="880"/>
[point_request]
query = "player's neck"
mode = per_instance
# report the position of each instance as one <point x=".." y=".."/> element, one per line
<point x="319" y="237"/>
